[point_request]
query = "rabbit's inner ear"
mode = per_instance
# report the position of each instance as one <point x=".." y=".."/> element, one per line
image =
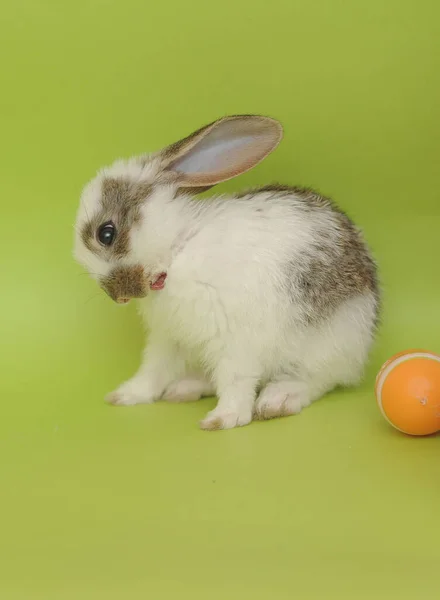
<point x="224" y="150"/>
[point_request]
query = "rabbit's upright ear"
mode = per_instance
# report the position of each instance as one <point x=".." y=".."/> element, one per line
<point x="222" y="150"/>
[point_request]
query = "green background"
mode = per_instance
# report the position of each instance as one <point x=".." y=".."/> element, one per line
<point x="138" y="503"/>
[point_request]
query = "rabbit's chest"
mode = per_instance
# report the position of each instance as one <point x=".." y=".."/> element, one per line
<point x="192" y="313"/>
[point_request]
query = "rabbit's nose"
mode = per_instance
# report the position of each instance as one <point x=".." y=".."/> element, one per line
<point x="126" y="282"/>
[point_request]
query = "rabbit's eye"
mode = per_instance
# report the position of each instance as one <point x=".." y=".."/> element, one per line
<point x="107" y="233"/>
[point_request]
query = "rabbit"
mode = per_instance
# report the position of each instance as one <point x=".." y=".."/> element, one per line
<point x="267" y="299"/>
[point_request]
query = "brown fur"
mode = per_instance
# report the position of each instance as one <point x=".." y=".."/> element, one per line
<point x="88" y="236"/>
<point x="126" y="282"/>
<point x="339" y="264"/>
<point x="121" y="202"/>
<point x="339" y="268"/>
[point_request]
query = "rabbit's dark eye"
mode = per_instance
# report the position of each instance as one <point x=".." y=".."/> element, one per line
<point x="107" y="233"/>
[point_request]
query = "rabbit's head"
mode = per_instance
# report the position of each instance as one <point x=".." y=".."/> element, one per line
<point x="124" y="230"/>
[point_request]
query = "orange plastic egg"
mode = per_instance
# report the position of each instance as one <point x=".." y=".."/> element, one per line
<point x="408" y="392"/>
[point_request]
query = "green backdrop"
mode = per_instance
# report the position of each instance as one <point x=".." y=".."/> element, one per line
<point x="98" y="502"/>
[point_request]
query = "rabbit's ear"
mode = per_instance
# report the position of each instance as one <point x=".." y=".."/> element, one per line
<point x="222" y="150"/>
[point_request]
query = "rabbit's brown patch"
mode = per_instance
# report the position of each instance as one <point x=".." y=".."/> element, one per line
<point x="338" y="264"/>
<point x="125" y="282"/>
<point x="336" y="267"/>
<point x="88" y="236"/>
<point x="121" y="201"/>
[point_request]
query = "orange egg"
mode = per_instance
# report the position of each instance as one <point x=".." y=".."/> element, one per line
<point x="408" y="392"/>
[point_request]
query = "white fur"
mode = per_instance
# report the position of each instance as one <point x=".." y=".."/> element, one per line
<point x="221" y="313"/>
<point x="226" y="321"/>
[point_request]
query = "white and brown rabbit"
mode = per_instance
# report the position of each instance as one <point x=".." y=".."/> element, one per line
<point x="268" y="298"/>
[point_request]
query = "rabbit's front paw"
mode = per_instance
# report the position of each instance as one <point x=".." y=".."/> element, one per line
<point x="134" y="391"/>
<point x="219" y="419"/>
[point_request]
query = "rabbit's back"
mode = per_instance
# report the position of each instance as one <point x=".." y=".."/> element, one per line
<point x="334" y="265"/>
<point x="324" y="259"/>
<point x="267" y="264"/>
